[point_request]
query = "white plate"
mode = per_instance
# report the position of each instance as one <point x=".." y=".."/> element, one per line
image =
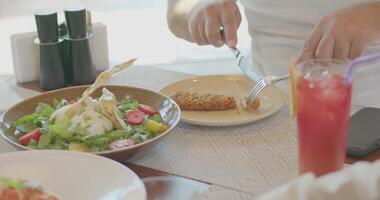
<point x="73" y="175"/>
<point x="271" y="99"/>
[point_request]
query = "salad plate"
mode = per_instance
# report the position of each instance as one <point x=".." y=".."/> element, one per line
<point x="74" y="175"/>
<point x="237" y="86"/>
<point x="116" y="122"/>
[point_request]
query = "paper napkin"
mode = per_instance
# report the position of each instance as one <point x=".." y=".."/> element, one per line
<point x="358" y="181"/>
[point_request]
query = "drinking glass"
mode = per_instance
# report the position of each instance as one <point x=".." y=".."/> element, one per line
<point x="323" y="98"/>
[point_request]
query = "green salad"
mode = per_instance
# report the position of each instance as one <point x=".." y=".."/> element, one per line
<point x="89" y="124"/>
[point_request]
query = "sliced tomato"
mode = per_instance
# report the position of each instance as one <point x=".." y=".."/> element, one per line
<point x="135" y="117"/>
<point x="147" y="110"/>
<point x="118" y="144"/>
<point x="34" y="135"/>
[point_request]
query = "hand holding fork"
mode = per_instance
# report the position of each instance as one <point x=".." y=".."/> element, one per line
<point x="252" y="73"/>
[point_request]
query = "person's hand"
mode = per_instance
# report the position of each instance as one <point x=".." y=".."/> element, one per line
<point x="208" y="16"/>
<point x="344" y="34"/>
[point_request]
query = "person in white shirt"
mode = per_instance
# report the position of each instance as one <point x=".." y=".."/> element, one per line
<point x="281" y="29"/>
<point x="285" y="29"/>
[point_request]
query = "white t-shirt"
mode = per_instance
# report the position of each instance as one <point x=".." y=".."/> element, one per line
<point x="279" y="29"/>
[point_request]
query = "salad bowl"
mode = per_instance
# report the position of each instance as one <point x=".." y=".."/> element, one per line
<point x="167" y="109"/>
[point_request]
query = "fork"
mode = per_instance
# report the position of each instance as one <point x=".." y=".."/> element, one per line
<point x="263" y="83"/>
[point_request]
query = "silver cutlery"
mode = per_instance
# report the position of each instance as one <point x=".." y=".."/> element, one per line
<point x="246" y="66"/>
<point x="252" y="73"/>
<point x="263" y="83"/>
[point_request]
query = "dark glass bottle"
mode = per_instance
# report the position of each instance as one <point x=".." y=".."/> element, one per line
<point x="82" y="70"/>
<point x="51" y="68"/>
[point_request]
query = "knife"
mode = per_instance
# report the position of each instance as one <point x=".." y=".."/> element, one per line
<point x="245" y="66"/>
<point x="243" y="62"/>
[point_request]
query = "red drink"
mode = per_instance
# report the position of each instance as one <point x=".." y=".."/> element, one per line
<point x="323" y="105"/>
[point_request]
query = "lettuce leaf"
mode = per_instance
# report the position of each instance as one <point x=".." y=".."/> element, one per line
<point x="26" y="127"/>
<point x="26" y="119"/>
<point x="55" y="103"/>
<point x="156" y="118"/>
<point x="44" y="140"/>
<point x="34" y="120"/>
<point x="59" y="104"/>
<point x="127" y="104"/>
<point x="33" y="144"/>
<point x="44" y="110"/>
<point x="10" y="182"/>
<point x="61" y="130"/>
<point x="101" y="142"/>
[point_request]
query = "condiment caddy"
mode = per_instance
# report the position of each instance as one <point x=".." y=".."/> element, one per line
<point x="63" y="54"/>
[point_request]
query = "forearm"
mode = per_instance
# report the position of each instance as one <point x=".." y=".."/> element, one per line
<point x="178" y="15"/>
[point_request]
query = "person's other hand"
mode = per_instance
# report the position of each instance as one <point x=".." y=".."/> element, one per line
<point x="344" y="34"/>
<point x="208" y="16"/>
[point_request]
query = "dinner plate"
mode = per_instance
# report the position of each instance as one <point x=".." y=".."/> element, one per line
<point x="238" y="86"/>
<point x="73" y="175"/>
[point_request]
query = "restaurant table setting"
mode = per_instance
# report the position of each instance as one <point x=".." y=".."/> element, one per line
<point x="238" y="161"/>
<point x="230" y="154"/>
<point x="132" y="77"/>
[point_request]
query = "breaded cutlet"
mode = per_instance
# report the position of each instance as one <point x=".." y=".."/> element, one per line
<point x="211" y="102"/>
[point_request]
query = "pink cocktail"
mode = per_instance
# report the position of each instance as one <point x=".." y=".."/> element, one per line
<point x="323" y="98"/>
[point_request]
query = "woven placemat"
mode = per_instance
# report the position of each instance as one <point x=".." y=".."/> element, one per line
<point x="251" y="158"/>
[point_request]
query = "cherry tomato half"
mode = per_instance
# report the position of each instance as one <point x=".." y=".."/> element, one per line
<point x="135" y="117"/>
<point x="147" y="110"/>
<point x="118" y="144"/>
<point x="33" y="135"/>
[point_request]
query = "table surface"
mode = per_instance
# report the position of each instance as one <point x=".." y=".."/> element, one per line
<point x="349" y="160"/>
<point x="216" y="188"/>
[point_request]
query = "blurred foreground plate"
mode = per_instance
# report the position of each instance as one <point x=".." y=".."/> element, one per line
<point x="238" y="86"/>
<point x="74" y="175"/>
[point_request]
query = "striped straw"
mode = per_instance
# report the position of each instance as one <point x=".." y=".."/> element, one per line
<point x="359" y="61"/>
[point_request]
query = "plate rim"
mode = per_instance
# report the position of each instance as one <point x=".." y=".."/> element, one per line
<point x="224" y="124"/>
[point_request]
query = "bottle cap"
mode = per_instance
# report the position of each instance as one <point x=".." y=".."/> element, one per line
<point x="47" y="26"/>
<point x="76" y="21"/>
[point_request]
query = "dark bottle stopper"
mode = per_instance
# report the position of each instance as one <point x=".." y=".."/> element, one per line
<point x="47" y="26"/>
<point x="76" y="22"/>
